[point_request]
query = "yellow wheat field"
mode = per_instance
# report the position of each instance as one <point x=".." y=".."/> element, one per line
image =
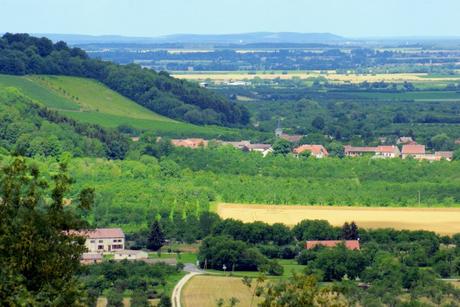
<point x="441" y="220"/>
<point x="204" y="291"/>
<point x="221" y="77"/>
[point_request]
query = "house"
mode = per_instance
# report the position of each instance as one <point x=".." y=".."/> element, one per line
<point x="352" y="151"/>
<point x="317" y="151"/>
<point x="448" y="155"/>
<point x="429" y="157"/>
<point x="413" y="150"/>
<point x="130" y="255"/>
<point x="135" y="138"/>
<point x="405" y="140"/>
<point x="457" y="141"/>
<point x="190" y="143"/>
<point x="293" y="138"/>
<point x="390" y="151"/>
<point x="349" y="244"/>
<point x="241" y="145"/>
<point x="102" y="240"/>
<point x="264" y="149"/>
<point x="90" y="258"/>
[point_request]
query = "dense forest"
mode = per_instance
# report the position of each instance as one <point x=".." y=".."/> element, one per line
<point x="23" y="54"/>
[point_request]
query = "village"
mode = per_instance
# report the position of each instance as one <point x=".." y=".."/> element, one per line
<point x="404" y="148"/>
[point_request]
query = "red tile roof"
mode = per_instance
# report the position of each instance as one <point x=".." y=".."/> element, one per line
<point x="314" y="149"/>
<point x="413" y="149"/>
<point x="350" y="244"/>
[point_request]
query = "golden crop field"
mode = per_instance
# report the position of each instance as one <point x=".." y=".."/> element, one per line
<point x="221" y="77"/>
<point x="205" y="290"/>
<point x="441" y="220"/>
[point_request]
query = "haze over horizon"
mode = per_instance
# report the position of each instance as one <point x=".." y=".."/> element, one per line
<point x="352" y="19"/>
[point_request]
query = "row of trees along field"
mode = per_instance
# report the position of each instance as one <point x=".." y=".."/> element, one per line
<point x="23" y="54"/>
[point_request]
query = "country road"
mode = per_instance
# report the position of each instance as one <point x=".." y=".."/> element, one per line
<point x="193" y="270"/>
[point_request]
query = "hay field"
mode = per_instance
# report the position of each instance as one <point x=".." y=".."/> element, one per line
<point x="444" y="221"/>
<point x="220" y="77"/>
<point x="205" y="290"/>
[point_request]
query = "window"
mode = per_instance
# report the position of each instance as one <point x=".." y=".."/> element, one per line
<point x="117" y="246"/>
<point x="100" y="247"/>
<point x="100" y="241"/>
<point x="93" y="241"/>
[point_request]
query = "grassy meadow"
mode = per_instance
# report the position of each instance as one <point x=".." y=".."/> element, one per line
<point x="441" y="220"/>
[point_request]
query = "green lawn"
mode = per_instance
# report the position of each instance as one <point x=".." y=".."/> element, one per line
<point x="186" y="258"/>
<point x="290" y="266"/>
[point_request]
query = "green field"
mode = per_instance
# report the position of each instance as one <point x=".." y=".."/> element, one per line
<point x="89" y="101"/>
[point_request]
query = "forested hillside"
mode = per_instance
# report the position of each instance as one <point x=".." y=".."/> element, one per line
<point x="31" y="130"/>
<point x="22" y="54"/>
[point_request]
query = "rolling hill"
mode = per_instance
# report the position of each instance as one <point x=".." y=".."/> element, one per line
<point x="255" y="37"/>
<point x="90" y="101"/>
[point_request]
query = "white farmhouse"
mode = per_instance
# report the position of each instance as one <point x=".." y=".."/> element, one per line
<point x="102" y="240"/>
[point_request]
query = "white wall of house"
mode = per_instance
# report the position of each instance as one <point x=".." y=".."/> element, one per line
<point x="105" y="244"/>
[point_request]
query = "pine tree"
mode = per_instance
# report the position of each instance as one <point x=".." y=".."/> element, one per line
<point x="156" y="237"/>
<point x="354" y="234"/>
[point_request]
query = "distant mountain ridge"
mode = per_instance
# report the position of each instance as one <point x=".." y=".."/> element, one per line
<point x="241" y="38"/>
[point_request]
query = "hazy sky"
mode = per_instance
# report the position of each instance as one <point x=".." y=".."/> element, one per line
<point x="353" y="18"/>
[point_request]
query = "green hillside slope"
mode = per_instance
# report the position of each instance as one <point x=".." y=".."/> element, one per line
<point x="22" y="54"/>
<point x="90" y="101"/>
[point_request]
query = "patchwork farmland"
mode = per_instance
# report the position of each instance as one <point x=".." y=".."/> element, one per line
<point x="441" y="220"/>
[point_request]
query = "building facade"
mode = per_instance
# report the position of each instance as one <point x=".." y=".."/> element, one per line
<point x="104" y="240"/>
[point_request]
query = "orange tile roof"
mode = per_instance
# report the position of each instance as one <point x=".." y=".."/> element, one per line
<point x="350" y="244"/>
<point x="413" y="149"/>
<point x="388" y="149"/>
<point x="314" y="149"/>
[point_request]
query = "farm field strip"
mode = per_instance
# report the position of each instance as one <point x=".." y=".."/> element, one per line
<point x="205" y="290"/>
<point x="444" y="221"/>
<point x="333" y="77"/>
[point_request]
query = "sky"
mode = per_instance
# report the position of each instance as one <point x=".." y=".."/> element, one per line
<point x="350" y="18"/>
